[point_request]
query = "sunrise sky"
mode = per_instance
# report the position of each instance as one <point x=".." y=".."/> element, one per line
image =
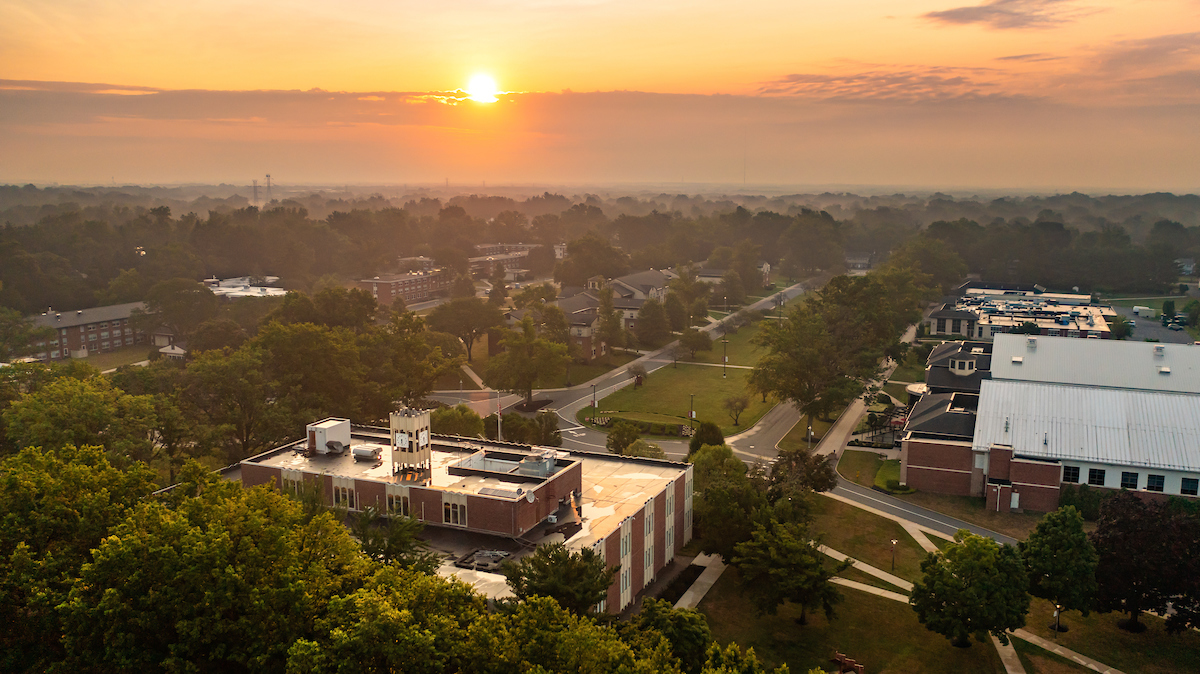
<point x="1020" y="94"/>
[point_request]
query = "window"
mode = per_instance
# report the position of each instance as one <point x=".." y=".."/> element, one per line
<point x="1190" y="487"/>
<point x="1129" y="480"/>
<point x="1071" y="474"/>
<point x="343" y="496"/>
<point x="955" y="325"/>
<point x="104" y="335"/>
<point x="291" y="486"/>
<point x="1096" y="477"/>
<point x="941" y="325"/>
<point x="92" y="338"/>
<point x="397" y="505"/>
<point x="1155" y="482"/>
<point x="454" y="513"/>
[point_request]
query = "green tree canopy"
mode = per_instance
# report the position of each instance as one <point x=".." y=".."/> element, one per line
<point x="78" y="412"/>
<point x="694" y="341"/>
<point x="676" y="310"/>
<point x="576" y="580"/>
<point x="18" y="335"/>
<point x="706" y="434"/>
<point x="975" y="588"/>
<point x="622" y="435"/>
<point x="459" y="420"/>
<point x="780" y="563"/>
<point x="465" y="318"/>
<point x="526" y="359"/>
<point x="1061" y="561"/>
<point x="179" y="304"/>
<point x="652" y="327"/>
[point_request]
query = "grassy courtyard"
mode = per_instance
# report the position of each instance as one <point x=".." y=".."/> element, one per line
<point x="867" y="537"/>
<point x="667" y="391"/>
<point x="881" y="633"/>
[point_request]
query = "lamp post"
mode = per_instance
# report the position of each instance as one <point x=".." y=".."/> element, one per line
<point x="691" y="412"/>
<point x="499" y="419"/>
<point x="593" y="403"/>
<point x="724" y="355"/>
<point x="894" y="542"/>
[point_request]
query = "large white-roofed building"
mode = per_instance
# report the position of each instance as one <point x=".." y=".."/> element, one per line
<point x="1110" y="414"/>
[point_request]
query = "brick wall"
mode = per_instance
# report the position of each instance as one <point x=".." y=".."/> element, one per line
<point x="371" y="493"/>
<point x="939" y="481"/>
<point x="999" y="461"/>
<point x="938" y="455"/>
<point x="494" y="515"/>
<point x="612" y="556"/>
<point x="637" y="578"/>
<point x="254" y="475"/>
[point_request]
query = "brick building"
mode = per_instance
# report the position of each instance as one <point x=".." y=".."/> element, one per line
<point x="1111" y="414"/>
<point x="416" y="286"/>
<point x="87" y="331"/>
<point x="631" y="511"/>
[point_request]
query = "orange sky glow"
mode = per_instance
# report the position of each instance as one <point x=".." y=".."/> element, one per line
<point x="1023" y="94"/>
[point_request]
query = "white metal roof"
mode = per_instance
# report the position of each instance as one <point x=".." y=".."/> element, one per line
<point x="1097" y="362"/>
<point x="1146" y="429"/>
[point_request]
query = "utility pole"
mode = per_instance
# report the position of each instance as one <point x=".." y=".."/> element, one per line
<point x="255" y="194"/>
<point x="724" y="355"/>
<point x="268" y="188"/>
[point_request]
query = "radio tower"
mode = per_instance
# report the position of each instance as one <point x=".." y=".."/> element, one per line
<point x="255" y="193"/>
<point x="268" y="188"/>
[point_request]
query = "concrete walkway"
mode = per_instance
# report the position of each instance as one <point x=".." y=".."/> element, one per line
<point x="870" y="589"/>
<point x="701" y="586"/>
<point x="868" y="569"/>
<point x="900" y="520"/>
<point x="474" y="377"/>
<point x="1008" y="656"/>
<point x="1065" y="652"/>
<point x="918" y="536"/>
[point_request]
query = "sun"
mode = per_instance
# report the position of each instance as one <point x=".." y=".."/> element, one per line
<point x="482" y="89"/>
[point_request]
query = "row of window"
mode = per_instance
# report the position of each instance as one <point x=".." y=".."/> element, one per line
<point x="1190" y="486"/>
<point x="454" y="513"/>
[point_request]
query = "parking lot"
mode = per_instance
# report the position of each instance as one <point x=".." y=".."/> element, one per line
<point x="1151" y="328"/>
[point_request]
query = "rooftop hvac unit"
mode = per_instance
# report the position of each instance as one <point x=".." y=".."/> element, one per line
<point x="1031" y="342"/>
<point x="1160" y="350"/>
<point x="552" y="519"/>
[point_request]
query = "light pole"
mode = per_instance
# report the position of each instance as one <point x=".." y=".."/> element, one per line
<point x="724" y="355"/>
<point x="499" y="419"/>
<point x="725" y="303"/>
<point x="593" y="403"/>
<point x="894" y="542"/>
<point x="691" y="411"/>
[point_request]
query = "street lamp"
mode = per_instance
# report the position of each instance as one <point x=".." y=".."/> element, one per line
<point x="724" y="355"/>
<point x="593" y="403"/>
<point x="894" y="542"/>
<point x="691" y="411"/>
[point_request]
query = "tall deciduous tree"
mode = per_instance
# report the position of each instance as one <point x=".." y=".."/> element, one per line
<point x="676" y="310"/>
<point x="526" y="359"/>
<point x="465" y="318"/>
<point x="18" y="335"/>
<point x="780" y="563"/>
<point x="799" y="471"/>
<point x="576" y="580"/>
<point x="612" y="323"/>
<point x="231" y="393"/>
<point x="975" y="588"/>
<point x="78" y="412"/>
<point x="622" y="435"/>
<point x="179" y="304"/>
<point x="1061" y="561"/>
<point x="707" y="434"/>
<point x="694" y="341"/>
<point x="652" y="327"/>
<point x="459" y="420"/>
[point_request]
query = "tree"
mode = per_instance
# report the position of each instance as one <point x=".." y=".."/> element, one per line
<point x="459" y="420"/>
<point x="576" y="580"/>
<point x="128" y="286"/>
<point x="685" y="629"/>
<point x="644" y="449"/>
<point x="590" y="256"/>
<point x="1120" y="327"/>
<point x="735" y="405"/>
<point x="76" y="412"/>
<point x="1168" y="309"/>
<point x="693" y="340"/>
<point x="677" y="312"/>
<point x="1136" y="562"/>
<point x="19" y="336"/>
<point x="465" y="318"/>
<point x="226" y="580"/>
<point x="976" y="587"/>
<point x="729" y="499"/>
<point x="463" y="287"/>
<point x="800" y="471"/>
<point x="499" y="292"/>
<point x="58" y="505"/>
<point x="320" y="368"/>
<point x="542" y="293"/>
<point x="179" y="304"/>
<point x="675" y="352"/>
<point x="652" y="328"/>
<point x="394" y="539"/>
<point x="732" y="290"/>
<point x="707" y="433"/>
<point x="547" y="434"/>
<point x="1061" y="561"/>
<point x="931" y="256"/>
<point x="699" y="309"/>
<point x="612" y="324"/>
<point x="526" y="359"/>
<point x="231" y="393"/>
<point x="622" y="435"/>
<point x="780" y="563"/>
<point x="218" y="333"/>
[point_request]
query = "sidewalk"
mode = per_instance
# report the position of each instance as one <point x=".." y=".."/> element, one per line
<point x="699" y="588"/>
<point x="1065" y="652"/>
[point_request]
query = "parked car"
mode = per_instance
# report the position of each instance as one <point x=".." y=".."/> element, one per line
<point x="1175" y="326"/>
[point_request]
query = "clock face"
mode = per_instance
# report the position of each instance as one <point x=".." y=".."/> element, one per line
<point x="424" y="438"/>
<point x="402" y="439"/>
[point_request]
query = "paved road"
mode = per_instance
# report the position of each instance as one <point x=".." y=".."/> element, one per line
<point x="923" y="516"/>
<point x="568" y="401"/>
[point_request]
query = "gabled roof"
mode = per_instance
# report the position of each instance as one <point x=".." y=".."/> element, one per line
<point x="1150" y="429"/>
<point x="949" y="311"/>
<point x="944" y="415"/>
<point x="70" y="319"/>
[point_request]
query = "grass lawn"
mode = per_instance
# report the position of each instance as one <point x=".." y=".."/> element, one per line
<point x="1041" y="661"/>
<point x="1155" y="304"/>
<point x="581" y="373"/>
<point x="126" y="355"/>
<point x="867" y="537"/>
<point x="911" y="370"/>
<point x="1097" y="636"/>
<point x="668" y="391"/>
<point x="451" y="382"/>
<point x="798" y="436"/>
<point x="859" y="467"/>
<point x="971" y="509"/>
<point x="897" y="391"/>
<point x="583" y="415"/>
<point x="881" y="633"/>
<point x="741" y="351"/>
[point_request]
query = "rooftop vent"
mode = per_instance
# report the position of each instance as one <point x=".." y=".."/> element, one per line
<point x="1017" y="360"/>
<point x="1160" y="350"/>
<point x="1031" y="342"/>
<point x="1164" y="370"/>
